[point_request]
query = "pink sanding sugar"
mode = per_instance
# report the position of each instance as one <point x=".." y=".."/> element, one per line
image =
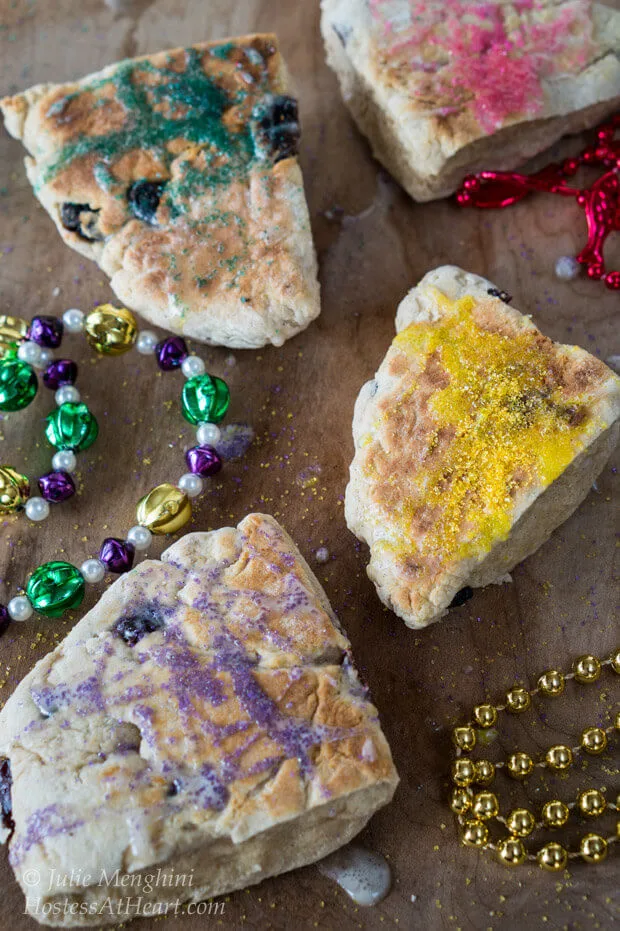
<point x="480" y="60"/>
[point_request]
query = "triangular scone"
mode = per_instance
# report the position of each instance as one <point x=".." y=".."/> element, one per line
<point x="205" y="718"/>
<point x="447" y="87"/>
<point x="177" y="173"/>
<point x="476" y="439"/>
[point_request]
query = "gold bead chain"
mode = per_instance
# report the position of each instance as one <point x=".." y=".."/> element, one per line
<point x="473" y="810"/>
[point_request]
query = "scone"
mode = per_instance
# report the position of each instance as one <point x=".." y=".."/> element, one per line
<point x="477" y="437"/>
<point x="204" y="719"/>
<point x="178" y="174"/>
<point x="445" y="88"/>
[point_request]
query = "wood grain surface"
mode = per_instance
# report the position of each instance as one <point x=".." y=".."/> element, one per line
<point x="373" y="244"/>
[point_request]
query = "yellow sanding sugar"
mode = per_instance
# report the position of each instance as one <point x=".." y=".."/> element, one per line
<point x="511" y="425"/>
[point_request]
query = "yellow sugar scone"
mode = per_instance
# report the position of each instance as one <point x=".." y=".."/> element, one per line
<point x="476" y="439"/>
<point x="178" y="174"/>
<point x="204" y="721"/>
<point x="442" y="88"/>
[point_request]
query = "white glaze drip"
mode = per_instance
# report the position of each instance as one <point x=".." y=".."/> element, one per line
<point x="364" y="875"/>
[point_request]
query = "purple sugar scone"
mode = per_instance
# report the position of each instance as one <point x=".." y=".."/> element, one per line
<point x="204" y="719"/>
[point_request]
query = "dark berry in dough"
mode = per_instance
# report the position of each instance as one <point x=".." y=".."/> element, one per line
<point x="461" y="597"/>
<point x="81" y="219"/>
<point x="276" y="126"/>
<point x="144" y="197"/>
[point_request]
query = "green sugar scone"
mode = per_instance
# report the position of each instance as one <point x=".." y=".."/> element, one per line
<point x="477" y="437"/>
<point x="178" y="174"/>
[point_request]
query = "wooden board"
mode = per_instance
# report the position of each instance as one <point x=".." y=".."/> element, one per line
<point x="373" y="244"/>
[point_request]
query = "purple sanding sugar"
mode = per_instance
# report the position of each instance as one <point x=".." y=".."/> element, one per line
<point x="88" y="696"/>
<point x="43" y="824"/>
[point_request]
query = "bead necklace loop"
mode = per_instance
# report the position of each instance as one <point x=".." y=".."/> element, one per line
<point x="58" y="586"/>
<point x="474" y="809"/>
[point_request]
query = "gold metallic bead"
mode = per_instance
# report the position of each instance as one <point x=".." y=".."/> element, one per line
<point x="485" y="806"/>
<point x="552" y="857"/>
<point x="594" y="740"/>
<point x="12" y="330"/>
<point x="618" y="829"/>
<point x="14" y="490"/>
<point x="110" y="330"/>
<point x="461" y="800"/>
<point x="520" y="765"/>
<point x="485" y="772"/>
<point x="485" y="715"/>
<point x="587" y="668"/>
<point x="559" y="757"/>
<point x="593" y="848"/>
<point x="463" y="772"/>
<point x="591" y="803"/>
<point x="521" y="822"/>
<point x="517" y="700"/>
<point x="165" y="509"/>
<point x="615" y="661"/>
<point x="475" y="834"/>
<point x="555" y="813"/>
<point x="511" y="852"/>
<point x="464" y="738"/>
<point x="551" y="682"/>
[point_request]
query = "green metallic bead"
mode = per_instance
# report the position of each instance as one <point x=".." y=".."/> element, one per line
<point x="18" y="384"/>
<point x="205" y="399"/>
<point x="71" y="426"/>
<point x="55" y="587"/>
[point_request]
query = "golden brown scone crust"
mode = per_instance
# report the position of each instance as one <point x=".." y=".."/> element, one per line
<point x="442" y="89"/>
<point x="224" y="252"/>
<point x="477" y="437"/>
<point x="235" y="713"/>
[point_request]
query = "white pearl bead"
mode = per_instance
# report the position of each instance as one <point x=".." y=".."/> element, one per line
<point x="146" y="342"/>
<point x="192" y="365"/>
<point x="208" y="434"/>
<point x="67" y="394"/>
<point x="19" y="608"/>
<point x="73" y="320"/>
<point x="191" y="484"/>
<point x="46" y="355"/>
<point x="139" y="537"/>
<point x="64" y="461"/>
<point x="93" y="570"/>
<point x="567" y="267"/>
<point x="30" y="352"/>
<point x="37" y="508"/>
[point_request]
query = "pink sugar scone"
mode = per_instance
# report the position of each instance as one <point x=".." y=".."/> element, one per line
<point x="445" y="88"/>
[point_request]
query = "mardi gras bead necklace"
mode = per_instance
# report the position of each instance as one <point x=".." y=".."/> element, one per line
<point x="474" y="810"/>
<point x="600" y="202"/>
<point x="57" y="586"/>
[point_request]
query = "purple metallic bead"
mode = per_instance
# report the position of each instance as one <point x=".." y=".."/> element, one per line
<point x="57" y="486"/>
<point x="60" y="372"/>
<point x="170" y="353"/>
<point x="5" y="619"/>
<point x="117" y="555"/>
<point x="203" y="460"/>
<point x="46" y="331"/>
